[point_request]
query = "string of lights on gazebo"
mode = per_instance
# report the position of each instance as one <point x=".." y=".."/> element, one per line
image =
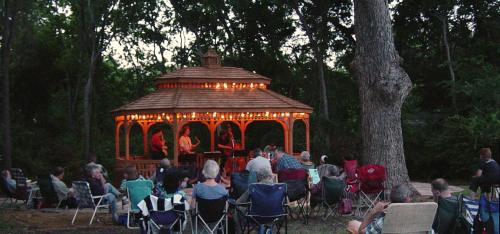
<point x="212" y="116"/>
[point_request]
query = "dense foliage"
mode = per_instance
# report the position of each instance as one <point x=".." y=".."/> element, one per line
<point x="49" y="67"/>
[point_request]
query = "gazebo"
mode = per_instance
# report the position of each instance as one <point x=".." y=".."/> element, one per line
<point x="210" y="94"/>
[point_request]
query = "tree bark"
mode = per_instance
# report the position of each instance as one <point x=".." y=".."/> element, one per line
<point x="444" y="23"/>
<point x="383" y="87"/>
<point x="87" y="108"/>
<point x="8" y="20"/>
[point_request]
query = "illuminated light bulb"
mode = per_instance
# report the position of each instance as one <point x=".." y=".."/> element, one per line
<point x="282" y="114"/>
<point x="244" y="85"/>
<point x="214" y="114"/>
<point x="225" y="85"/>
<point x="217" y="86"/>
<point x="274" y="115"/>
<point x="193" y="115"/>
<point x="267" y="113"/>
<point x="261" y="85"/>
<point x="206" y="85"/>
<point x="251" y="85"/>
<point x="168" y="117"/>
<point x="222" y="116"/>
<point x="159" y="118"/>
<point x="234" y="84"/>
<point x="183" y="116"/>
<point x="258" y="115"/>
<point x="242" y="115"/>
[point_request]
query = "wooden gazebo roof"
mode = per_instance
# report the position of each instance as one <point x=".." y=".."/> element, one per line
<point x="212" y="88"/>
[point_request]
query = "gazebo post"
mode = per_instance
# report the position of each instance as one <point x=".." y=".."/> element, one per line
<point x="290" y="135"/>
<point x="211" y="129"/>
<point x="306" y="122"/>
<point x="117" y="139"/>
<point x="128" y="126"/>
<point x="243" y="128"/>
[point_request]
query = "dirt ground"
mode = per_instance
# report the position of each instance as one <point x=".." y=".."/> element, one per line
<point x="50" y="221"/>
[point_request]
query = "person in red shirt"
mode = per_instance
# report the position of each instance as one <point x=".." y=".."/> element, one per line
<point x="158" y="146"/>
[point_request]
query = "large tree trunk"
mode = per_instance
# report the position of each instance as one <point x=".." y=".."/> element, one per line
<point x="8" y="19"/>
<point x="383" y="87"/>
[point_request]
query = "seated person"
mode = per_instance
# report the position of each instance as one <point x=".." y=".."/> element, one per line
<point x="327" y="169"/>
<point x="130" y="174"/>
<point x="265" y="176"/>
<point x="173" y="183"/>
<point x="9" y="182"/>
<point x="160" y="172"/>
<point x="447" y="207"/>
<point x="209" y="189"/>
<point x="64" y="194"/>
<point x="285" y="161"/>
<point x="258" y="162"/>
<point x="99" y="187"/>
<point x="374" y="219"/>
<point x="487" y="174"/>
<point x="306" y="160"/>
<point x="93" y="163"/>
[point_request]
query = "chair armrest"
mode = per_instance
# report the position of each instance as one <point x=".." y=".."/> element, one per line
<point x="95" y="197"/>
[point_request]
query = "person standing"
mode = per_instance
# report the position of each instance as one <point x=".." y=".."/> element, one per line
<point x="158" y="145"/>
<point x="487" y="174"/>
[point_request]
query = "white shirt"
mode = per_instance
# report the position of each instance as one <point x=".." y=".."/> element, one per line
<point x="185" y="144"/>
<point x="258" y="163"/>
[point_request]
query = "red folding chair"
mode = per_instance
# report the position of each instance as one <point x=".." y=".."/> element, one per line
<point x="371" y="179"/>
<point x="351" y="180"/>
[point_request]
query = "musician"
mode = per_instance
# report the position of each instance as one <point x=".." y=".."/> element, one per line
<point x="225" y="143"/>
<point x="158" y="146"/>
<point x="185" y="145"/>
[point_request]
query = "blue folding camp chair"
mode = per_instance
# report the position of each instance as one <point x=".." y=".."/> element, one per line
<point x="212" y="214"/>
<point x="267" y="207"/>
<point x="162" y="214"/>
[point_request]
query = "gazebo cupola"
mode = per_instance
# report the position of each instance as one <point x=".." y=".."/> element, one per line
<point x="210" y="94"/>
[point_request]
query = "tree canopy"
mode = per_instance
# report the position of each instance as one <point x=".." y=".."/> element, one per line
<point x="57" y="45"/>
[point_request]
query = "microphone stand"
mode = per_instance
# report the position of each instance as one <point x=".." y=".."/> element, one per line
<point x="233" y="163"/>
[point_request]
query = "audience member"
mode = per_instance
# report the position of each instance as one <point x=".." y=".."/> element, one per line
<point x="92" y="164"/>
<point x="98" y="187"/>
<point x="64" y="194"/>
<point x="487" y="174"/>
<point x="327" y="169"/>
<point x="130" y="174"/>
<point x="9" y="182"/>
<point x="285" y="161"/>
<point x="209" y="189"/>
<point x="160" y="172"/>
<point x="305" y="157"/>
<point x="447" y="207"/>
<point x="258" y="162"/>
<point x="374" y="219"/>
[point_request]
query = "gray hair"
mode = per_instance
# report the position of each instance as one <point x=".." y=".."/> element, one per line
<point x="264" y="174"/>
<point x="95" y="169"/>
<point x="210" y="169"/>
<point x="306" y="156"/>
<point x="257" y="152"/>
<point x="165" y="163"/>
<point x="400" y="193"/>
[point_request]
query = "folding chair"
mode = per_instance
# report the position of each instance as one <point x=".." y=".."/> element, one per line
<point x="332" y="192"/>
<point x="267" y="207"/>
<point x="212" y="214"/>
<point x="240" y="182"/>
<point x="372" y="178"/>
<point x="297" y="189"/>
<point x="10" y="196"/>
<point x="137" y="190"/>
<point x="86" y="200"/>
<point x="49" y="195"/>
<point x="23" y="192"/>
<point x="409" y="217"/>
<point x="446" y="215"/>
<point x="160" y="214"/>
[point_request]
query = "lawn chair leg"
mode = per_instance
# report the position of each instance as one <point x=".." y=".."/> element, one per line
<point x="93" y="215"/>
<point x="128" y="219"/>
<point x="74" y="217"/>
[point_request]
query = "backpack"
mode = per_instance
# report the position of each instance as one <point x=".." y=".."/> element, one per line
<point x="345" y="206"/>
<point x="486" y="221"/>
<point x="461" y="225"/>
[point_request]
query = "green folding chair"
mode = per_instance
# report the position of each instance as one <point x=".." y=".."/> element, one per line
<point x="137" y="190"/>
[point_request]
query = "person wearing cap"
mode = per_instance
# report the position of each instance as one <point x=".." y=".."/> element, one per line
<point x="326" y="169"/>
<point x="306" y="160"/>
